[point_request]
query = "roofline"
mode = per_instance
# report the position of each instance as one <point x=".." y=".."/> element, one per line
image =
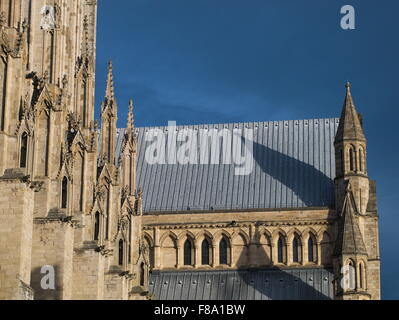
<point x="235" y="123"/>
<point x="161" y="213"/>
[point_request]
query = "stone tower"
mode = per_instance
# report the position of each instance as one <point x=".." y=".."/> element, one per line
<point x="73" y="210"/>
<point x="356" y="254"/>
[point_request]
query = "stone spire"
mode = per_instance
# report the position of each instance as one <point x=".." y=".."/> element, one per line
<point x="350" y="126"/>
<point x="109" y="119"/>
<point x="350" y="240"/>
<point x="130" y="117"/>
<point x="110" y="90"/>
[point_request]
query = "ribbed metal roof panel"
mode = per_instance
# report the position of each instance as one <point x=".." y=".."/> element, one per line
<point x="273" y="284"/>
<point x="294" y="167"/>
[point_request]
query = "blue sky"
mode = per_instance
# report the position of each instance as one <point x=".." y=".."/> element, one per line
<point x="207" y="61"/>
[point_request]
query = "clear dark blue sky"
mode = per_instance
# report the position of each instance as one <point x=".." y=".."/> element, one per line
<point x="218" y="61"/>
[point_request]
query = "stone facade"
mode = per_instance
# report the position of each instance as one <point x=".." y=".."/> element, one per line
<point x="342" y="237"/>
<point x="69" y="197"/>
<point x="67" y="201"/>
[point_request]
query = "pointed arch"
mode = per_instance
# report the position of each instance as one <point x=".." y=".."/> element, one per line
<point x="184" y="235"/>
<point x="169" y="235"/>
<point x="240" y="249"/>
<point x="241" y="236"/>
<point x="220" y="234"/>
<point x="169" y="253"/>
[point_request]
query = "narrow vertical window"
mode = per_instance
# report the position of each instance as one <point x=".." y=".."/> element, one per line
<point x="296" y="250"/>
<point x="187" y="253"/>
<point x="352" y="276"/>
<point x="223" y="248"/>
<point x="311" y="249"/>
<point x="142" y="275"/>
<point x="121" y="253"/>
<point x="280" y="250"/>
<point x="97" y="226"/>
<point x="351" y="159"/>
<point x="24" y="150"/>
<point x="64" y="193"/>
<point x="205" y="253"/>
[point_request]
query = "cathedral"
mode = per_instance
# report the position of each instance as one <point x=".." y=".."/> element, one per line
<point x="90" y="211"/>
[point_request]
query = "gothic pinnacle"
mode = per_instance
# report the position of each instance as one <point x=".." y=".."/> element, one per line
<point x="130" y="119"/>
<point x="109" y="93"/>
<point x="350" y="127"/>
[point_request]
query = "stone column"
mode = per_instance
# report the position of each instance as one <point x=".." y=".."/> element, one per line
<point x="197" y="256"/>
<point x="318" y="250"/>
<point x="215" y="253"/>
<point x="180" y="256"/>
<point x="289" y="254"/>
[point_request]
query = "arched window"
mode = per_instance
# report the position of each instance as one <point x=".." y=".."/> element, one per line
<point x="205" y="252"/>
<point x="97" y="226"/>
<point x="296" y="250"/>
<point x="311" y="249"/>
<point x="352" y="276"/>
<point x="223" y="251"/>
<point x="64" y="193"/>
<point x="188" y="261"/>
<point x="281" y="250"/>
<point x="351" y="159"/>
<point x="142" y="274"/>
<point x="121" y="252"/>
<point x="24" y="150"/>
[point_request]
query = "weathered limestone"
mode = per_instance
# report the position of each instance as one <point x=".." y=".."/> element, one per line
<point x="16" y="216"/>
<point x="64" y="201"/>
